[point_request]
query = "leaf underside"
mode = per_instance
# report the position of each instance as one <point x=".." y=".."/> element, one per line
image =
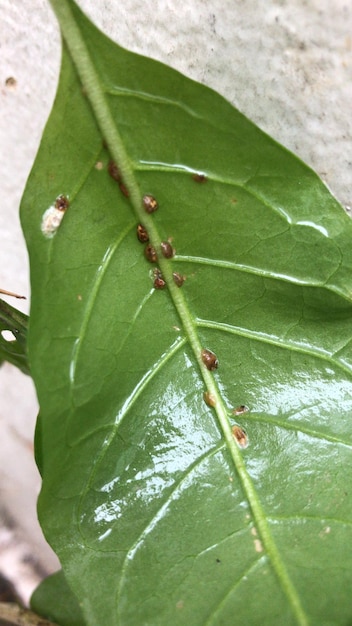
<point x="141" y="497"/>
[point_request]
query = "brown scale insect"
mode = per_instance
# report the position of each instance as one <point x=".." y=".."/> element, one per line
<point x="178" y="279"/>
<point x="124" y="190"/>
<point x="167" y="250"/>
<point x="209" y="359"/>
<point x="159" y="282"/>
<point x="150" y="254"/>
<point x="209" y="399"/>
<point x="199" y="178"/>
<point x="240" y="435"/>
<point x="114" y="171"/>
<point x="142" y="234"/>
<point x="62" y="203"/>
<point x="239" y="410"/>
<point x="149" y="203"/>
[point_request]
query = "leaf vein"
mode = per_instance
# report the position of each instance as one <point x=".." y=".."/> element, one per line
<point x="89" y="308"/>
<point x="276" y="341"/>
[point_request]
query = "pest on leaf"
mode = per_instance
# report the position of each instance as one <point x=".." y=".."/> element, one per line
<point x="167" y="250"/>
<point x="178" y="279"/>
<point x="159" y="282"/>
<point x="53" y="216"/>
<point x="62" y="203"/>
<point x="209" y="359"/>
<point x="240" y="435"/>
<point x="199" y="178"/>
<point x="239" y="410"/>
<point x="142" y="234"/>
<point x="150" y="253"/>
<point x="149" y="203"/>
<point x="114" y="171"/>
<point x="124" y="190"/>
<point x="209" y="399"/>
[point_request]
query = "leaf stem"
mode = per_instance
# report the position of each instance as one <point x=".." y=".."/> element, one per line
<point x="97" y="97"/>
<point x="13" y="615"/>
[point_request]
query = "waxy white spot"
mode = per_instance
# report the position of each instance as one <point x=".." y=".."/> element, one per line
<point x="53" y="217"/>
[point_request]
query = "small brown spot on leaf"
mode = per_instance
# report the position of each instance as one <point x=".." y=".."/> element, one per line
<point x="99" y="165"/>
<point x="150" y="204"/>
<point x="167" y="250"/>
<point x="239" y="410"/>
<point x="150" y="253"/>
<point x="62" y="203"/>
<point x="142" y="234"/>
<point x="199" y="178"/>
<point x="178" y="279"/>
<point x="124" y="190"/>
<point x="159" y="282"/>
<point x="209" y="399"/>
<point x="240" y="435"/>
<point x="209" y="359"/>
<point x="114" y="171"/>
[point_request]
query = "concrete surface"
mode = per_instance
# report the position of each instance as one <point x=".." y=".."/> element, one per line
<point x="286" y="64"/>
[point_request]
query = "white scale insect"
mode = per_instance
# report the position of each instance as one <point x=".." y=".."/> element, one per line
<point x="53" y="216"/>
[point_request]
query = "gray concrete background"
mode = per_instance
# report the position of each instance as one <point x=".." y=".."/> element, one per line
<point x="287" y="65"/>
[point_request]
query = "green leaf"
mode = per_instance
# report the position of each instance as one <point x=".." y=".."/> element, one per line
<point x="14" y="348"/>
<point x="55" y="600"/>
<point x="156" y="513"/>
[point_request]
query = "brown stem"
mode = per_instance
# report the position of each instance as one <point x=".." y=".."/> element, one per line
<point x="14" y="615"/>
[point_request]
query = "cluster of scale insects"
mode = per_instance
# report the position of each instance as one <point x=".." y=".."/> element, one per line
<point x="207" y="357"/>
<point x="51" y="221"/>
<point x="150" y="205"/>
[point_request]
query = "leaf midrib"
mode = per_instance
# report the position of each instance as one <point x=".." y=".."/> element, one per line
<point x="95" y="93"/>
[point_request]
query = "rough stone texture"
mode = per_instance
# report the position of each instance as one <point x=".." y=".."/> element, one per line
<point x="286" y="64"/>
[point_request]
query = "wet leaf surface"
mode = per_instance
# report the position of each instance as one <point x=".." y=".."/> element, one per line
<point x="156" y="513"/>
